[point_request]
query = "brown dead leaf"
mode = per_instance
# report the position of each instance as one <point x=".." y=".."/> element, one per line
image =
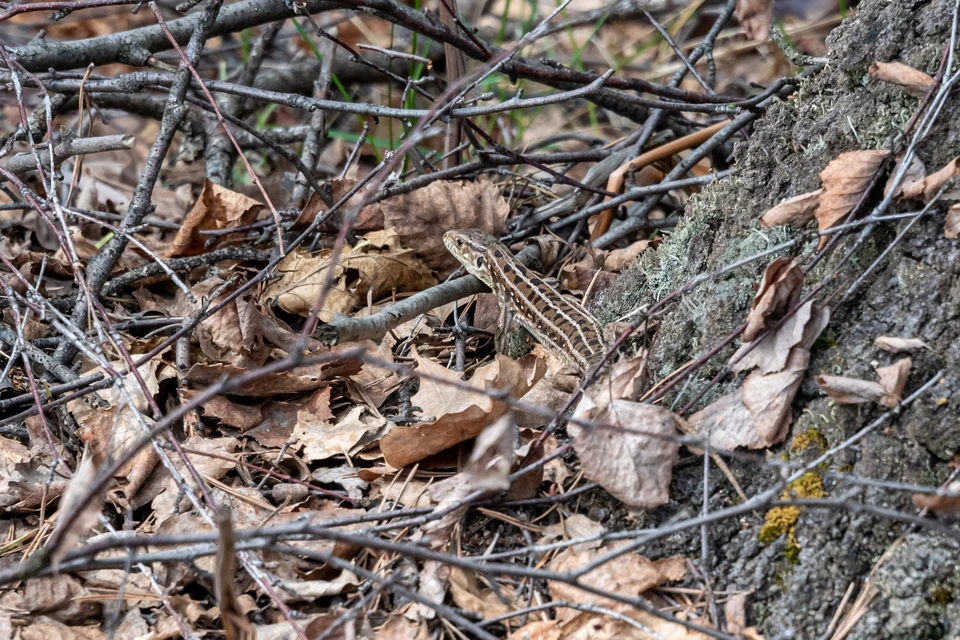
<point x="629" y="575"/>
<point x="492" y="456"/>
<point x="773" y="352"/>
<point x="735" y="613"/>
<point x="376" y="267"/>
<point x="236" y="626"/>
<point x="322" y="440"/>
<point x="634" y="459"/>
<point x="846" y="390"/>
<point x="110" y="429"/>
<point x="421" y="217"/>
<point x="893" y="379"/>
<point x="620" y="259"/>
<point x="900" y="345"/>
<point x="845" y="180"/>
<point x="576" y="526"/>
<point x="216" y="208"/>
<point x="398" y="627"/>
<point x="88" y="517"/>
<point x="945" y="503"/>
<point x="43" y="628"/>
<point x="370" y="217"/>
<point x="458" y="414"/>
<point x="916" y="172"/>
<point x="61" y="597"/>
<point x="951" y="228"/>
<point x="434" y="579"/>
<point x="448" y="494"/>
<point x="915" y="82"/>
<point x="230" y="414"/>
<point x="470" y="596"/>
<point x="758" y="414"/>
<point x="305" y="378"/>
<point x="541" y="630"/>
<point x="925" y="189"/>
<point x="779" y="291"/>
<point x="755" y="16"/>
<point x="798" y="210"/>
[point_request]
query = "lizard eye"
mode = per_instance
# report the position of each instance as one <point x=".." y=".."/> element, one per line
<point x="479" y="262"/>
<point x="459" y="242"/>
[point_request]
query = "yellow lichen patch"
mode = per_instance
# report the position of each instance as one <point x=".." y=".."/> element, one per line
<point x="805" y="440"/>
<point x="783" y="520"/>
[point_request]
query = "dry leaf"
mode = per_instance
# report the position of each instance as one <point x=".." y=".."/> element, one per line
<point x="88" y="517"/>
<point x="758" y="414"/>
<point x="629" y="575"/>
<point x="470" y="596"/>
<point x="43" y="628"/>
<point x="845" y="180"/>
<point x="735" y="613"/>
<point x="236" y="626"/>
<point x="448" y="494"/>
<point x="370" y="217"/>
<point x="916" y="82"/>
<point x="634" y="459"/>
<point x="946" y="503"/>
<point x="542" y="630"/>
<point x="59" y="597"/>
<point x="798" y="210"/>
<point x="779" y="291"/>
<point x="216" y="208"/>
<point x="420" y="217"/>
<point x="951" y="228"/>
<point x="773" y="352"/>
<point x="925" y="189"/>
<point x="492" y="456"/>
<point x="572" y="528"/>
<point x="755" y="16"/>
<point x="458" y="414"/>
<point x="398" y="627"/>
<point x="915" y="172"/>
<point x="322" y="440"/>
<point x="620" y="259"/>
<point x="893" y="379"/>
<point x="376" y="267"/>
<point x="900" y="345"/>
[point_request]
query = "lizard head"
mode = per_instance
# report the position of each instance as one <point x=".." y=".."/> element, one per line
<point x="470" y="247"/>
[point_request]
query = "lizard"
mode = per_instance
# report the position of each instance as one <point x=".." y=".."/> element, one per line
<point x="560" y="324"/>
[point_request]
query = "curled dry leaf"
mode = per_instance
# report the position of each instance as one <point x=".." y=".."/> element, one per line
<point x="846" y="390"/>
<point x="420" y="217"/>
<point x="926" y="188"/>
<point x="72" y="525"/>
<point x="951" y="227"/>
<point x="779" y="291"/>
<point x="798" y="210"/>
<point x="845" y="180"/>
<point x="470" y="596"/>
<point x="914" y="81"/>
<point x="633" y="458"/>
<point x="216" y="208"/>
<point x="914" y="173"/>
<point x="946" y="503"/>
<point x="492" y="456"/>
<point x="458" y="414"/>
<point x="376" y="267"/>
<point x="755" y="16"/>
<point x="900" y="345"/>
<point x="773" y="351"/>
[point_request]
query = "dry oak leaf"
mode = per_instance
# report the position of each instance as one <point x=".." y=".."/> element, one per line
<point x="216" y="208"/>
<point x="322" y="440"/>
<point x="60" y="597"/>
<point x="755" y="16"/>
<point x="627" y="575"/>
<point x="951" y="227"/>
<point x="420" y="217"/>
<point x="633" y="457"/>
<point x="758" y="414"/>
<point x="779" y="291"/>
<point x="925" y="189"/>
<point x="915" y="82"/>
<point x="772" y="352"/>
<point x="845" y="180"/>
<point x="376" y="267"/>
<point x="846" y="390"/>
<point x="492" y="457"/>
<point x="798" y="210"/>
<point x="900" y="345"/>
<point x="458" y="414"/>
<point x="943" y="503"/>
<point x="620" y="259"/>
<point x="467" y="593"/>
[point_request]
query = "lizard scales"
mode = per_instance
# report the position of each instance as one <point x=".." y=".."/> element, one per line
<point x="560" y="324"/>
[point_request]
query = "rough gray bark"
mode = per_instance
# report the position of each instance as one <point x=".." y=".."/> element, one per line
<point x="914" y="293"/>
